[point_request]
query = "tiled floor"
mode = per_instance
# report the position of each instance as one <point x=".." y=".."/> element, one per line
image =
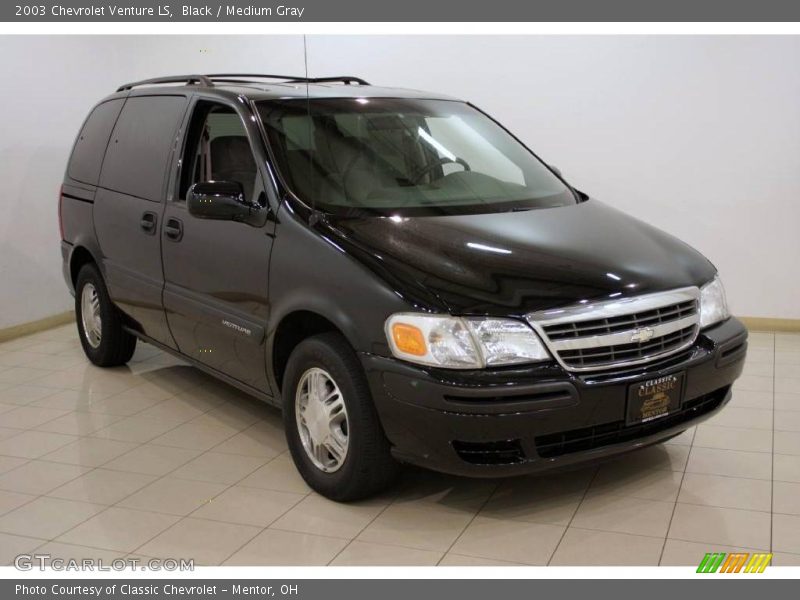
<point x="158" y="460"/>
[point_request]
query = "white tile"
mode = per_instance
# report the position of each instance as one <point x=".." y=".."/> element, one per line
<point x="787" y="385"/>
<point x="206" y="542"/>
<point x="320" y="516"/>
<point x="728" y="492"/>
<point x="47" y="517"/>
<point x="786" y="533"/>
<point x="134" y="429"/>
<point x="278" y="474"/>
<point x="78" y="423"/>
<point x="746" y="399"/>
<point x="248" y="506"/>
<point x="152" y="460"/>
<point x="274" y="548"/>
<point x="731" y="438"/>
<point x="13" y="545"/>
<point x="786" y="497"/>
<point x="787" y="402"/>
<point x="648" y="484"/>
<point x="195" y="436"/>
<point x="583" y="547"/>
<point x="743" y="418"/>
<point x="33" y="444"/>
<point x="787" y="420"/>
<point x="733" y="463"/>
<point x="513" y="541"/>
<point x="624" y="514"/>
<point x="367" y="554"/>
<point x="11" y="500"/>
<point x="27" y="417"/>
<point x="424" y="525"/>
<point x="89" y="452"/>
<point x="24" y="394"/>
<point x="102" y="486"/>
<point x="265" y="438"/>
<point x="786" y="468"/>
<point x="787" y="442"/>
<point x="39" y="477"/>
<point x="120" y="529"/>
<point x="173" y="496"/>
<point x="220" y="468"/>
<point x="754" y="383"/>
<point x="714" y="525"/>
<point x="543" y="499"/>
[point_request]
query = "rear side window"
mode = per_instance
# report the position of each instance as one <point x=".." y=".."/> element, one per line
<point x="136" y="160"/>
<point x="87" y="155"/>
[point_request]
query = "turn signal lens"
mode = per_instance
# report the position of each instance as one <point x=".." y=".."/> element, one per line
<point x="409" y="339"/>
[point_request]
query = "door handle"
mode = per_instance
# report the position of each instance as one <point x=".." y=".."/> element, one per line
<point x="174" y="229"/>
<point x="148" y="222"/>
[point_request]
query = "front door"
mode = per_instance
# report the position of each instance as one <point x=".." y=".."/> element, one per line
<point x="216" y="272"/>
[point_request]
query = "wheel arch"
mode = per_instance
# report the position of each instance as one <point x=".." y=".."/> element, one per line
<point x="79" y="257"/>
<point x="294" y="327"/>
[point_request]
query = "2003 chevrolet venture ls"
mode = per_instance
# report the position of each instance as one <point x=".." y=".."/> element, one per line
<point x="392" y="268"/>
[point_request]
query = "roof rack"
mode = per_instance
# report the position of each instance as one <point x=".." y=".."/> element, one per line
<point x="187" y="79"/>
<point x="208" y="80"/>
<point x="345" y="79"/>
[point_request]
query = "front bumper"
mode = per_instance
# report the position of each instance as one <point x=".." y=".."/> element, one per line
<point x="510" y="421"/>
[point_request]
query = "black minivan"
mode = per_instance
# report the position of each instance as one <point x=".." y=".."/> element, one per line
<point x="392" y="268"/>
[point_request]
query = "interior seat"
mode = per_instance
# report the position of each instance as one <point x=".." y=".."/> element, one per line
<point x="232" y="160"/>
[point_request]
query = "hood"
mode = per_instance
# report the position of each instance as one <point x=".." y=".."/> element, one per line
<point x="516" y="262"/>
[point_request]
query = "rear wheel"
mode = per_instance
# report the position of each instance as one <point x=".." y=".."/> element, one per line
<point x="104" y="340"/>
<point x="332" y="429"/>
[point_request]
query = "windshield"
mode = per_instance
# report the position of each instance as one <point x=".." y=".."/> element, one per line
<point x="389" y="156"/>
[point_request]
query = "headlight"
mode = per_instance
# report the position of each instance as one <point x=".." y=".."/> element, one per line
<point x="462" y="343"/>
<point x="713" y="306"/>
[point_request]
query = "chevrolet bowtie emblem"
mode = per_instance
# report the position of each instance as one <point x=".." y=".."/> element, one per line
<point x="642" y="335"/>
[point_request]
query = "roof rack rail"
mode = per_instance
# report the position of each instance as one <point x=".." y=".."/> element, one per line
<point x="187" y="79"/>
<point x="345" y="79"/>
<point x="208" y="80"/>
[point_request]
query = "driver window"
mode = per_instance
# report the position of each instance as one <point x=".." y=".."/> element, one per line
<point x="217" y="149"/>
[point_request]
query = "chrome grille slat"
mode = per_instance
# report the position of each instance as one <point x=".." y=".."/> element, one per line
<point x="612" y="334"/>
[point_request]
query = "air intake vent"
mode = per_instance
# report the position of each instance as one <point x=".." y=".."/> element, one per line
<point x="490" y="453"/>
<point x="588" y="438"/>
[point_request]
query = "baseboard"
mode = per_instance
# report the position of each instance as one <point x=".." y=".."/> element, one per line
<point x="9" y="333"/>
<point x="770" y="324"/>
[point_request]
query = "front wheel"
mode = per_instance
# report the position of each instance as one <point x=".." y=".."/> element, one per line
<point x="103" y="338"/>
<point x="332" y="429"/>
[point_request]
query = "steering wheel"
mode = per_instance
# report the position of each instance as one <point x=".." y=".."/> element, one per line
<point x="438" y="163"/>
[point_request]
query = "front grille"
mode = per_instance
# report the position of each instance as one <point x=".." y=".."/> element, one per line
<point x="580" y="329"/>
<point x="609" y="355"/>
<point x="490" y="453"/>
<point x="589" y="438"/>
<point x="619" y="333"/>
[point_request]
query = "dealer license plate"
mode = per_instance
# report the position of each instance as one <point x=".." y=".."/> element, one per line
<point x="654" y="398"/>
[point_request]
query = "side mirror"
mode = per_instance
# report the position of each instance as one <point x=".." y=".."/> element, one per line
<point x="223" y="201"/>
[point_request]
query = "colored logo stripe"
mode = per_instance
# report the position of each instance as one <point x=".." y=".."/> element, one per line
<point x="734" y="563"/>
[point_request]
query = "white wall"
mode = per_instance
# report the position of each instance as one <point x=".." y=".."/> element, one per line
<point x="697" y="135"/>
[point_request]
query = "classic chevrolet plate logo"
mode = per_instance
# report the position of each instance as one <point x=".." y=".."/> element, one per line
<point x="642" y="335"/>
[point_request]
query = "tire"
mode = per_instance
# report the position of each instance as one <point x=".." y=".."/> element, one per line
<point x="105" y="343"/>
<point x="367" y="466"/>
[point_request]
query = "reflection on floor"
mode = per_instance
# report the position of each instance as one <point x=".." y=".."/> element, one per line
<point x="158" y="460"/>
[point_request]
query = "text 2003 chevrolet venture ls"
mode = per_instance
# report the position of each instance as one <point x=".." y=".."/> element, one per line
<point x="392" y="268"/>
